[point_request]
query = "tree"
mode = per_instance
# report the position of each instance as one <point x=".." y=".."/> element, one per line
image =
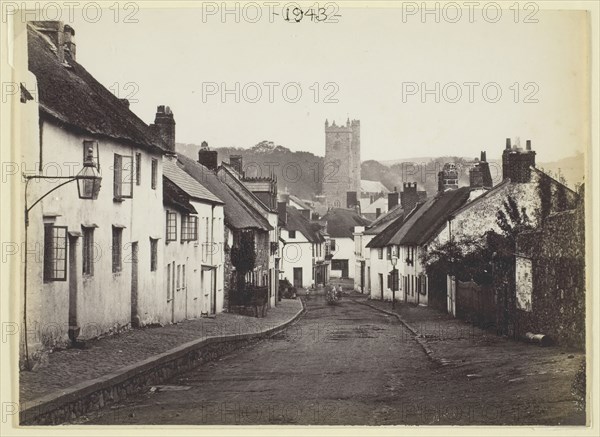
<point x="471" y="259"/>
<point x="512" y="220"/>
<point x="243" y="256"/>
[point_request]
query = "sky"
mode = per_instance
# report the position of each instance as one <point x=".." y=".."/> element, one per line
<point x="371" y="65"/>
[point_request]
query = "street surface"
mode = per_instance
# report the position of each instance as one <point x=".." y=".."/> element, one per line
<point x="351" y="364"/>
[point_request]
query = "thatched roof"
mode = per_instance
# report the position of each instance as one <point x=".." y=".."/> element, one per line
<point x="71" y="97"/>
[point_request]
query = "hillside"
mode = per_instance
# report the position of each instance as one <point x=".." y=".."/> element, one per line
<point x="301" y="173"/>
<point x="298" y="172"/>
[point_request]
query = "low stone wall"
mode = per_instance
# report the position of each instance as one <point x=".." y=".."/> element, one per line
<point x="110" y="389"/>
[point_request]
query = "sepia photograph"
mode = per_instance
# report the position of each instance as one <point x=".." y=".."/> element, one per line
<point x="283" y="215"/>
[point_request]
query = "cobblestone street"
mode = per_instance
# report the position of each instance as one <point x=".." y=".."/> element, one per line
<point x="67" y="367"/>
<point x="353" y="364"/>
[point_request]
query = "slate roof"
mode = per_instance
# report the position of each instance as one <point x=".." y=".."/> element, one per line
<point x="381" y="203"/>
<point x="341" y="222"/>
<point x="232" y="175"/>
<point x="423" y="222"/>
<point x="372" y="187"/>
<point x="300" y="202"/>
<point x="176" y="197"/>
<point x="188" y="184"/>
<point x="297" y="222"/>
<point x="238" y="214"/>
<point x="70" y="96"/>
<point x="384" y="220"/>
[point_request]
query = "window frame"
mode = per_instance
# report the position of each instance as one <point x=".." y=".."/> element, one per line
<point x="154" y="174"/>
<point x="51" y="250"/>
<point x="87" y="251"/>
<point x="117" y="249"/>
<point x="189" y="228"/>
<point x="120" y="162"/>
<point x="292" y="234"/>
<point x="171" y="226"/>
<point x="138" y="169"/>
<point x="153" y="254"/>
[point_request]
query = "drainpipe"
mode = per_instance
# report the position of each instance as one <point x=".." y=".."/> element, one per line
<point x="212" y="242"/>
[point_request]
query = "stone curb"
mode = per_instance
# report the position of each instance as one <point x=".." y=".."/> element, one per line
<point x="36" y="411"/>
<point x="418" y="338"/>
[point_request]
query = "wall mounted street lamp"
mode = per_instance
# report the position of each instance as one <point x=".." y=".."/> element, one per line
<point x="394" y="280"/>
<point x="88" y="186"/>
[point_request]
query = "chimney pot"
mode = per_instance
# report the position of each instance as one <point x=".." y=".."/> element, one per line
<point x="528" y="144"/>
<point x="508" y="143"/>
<point x="207" y="157"/>
<point x="165" y="125"/>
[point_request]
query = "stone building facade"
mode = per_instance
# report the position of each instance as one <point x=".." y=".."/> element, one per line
<point x="550" y="279"/>
<point x="341" y="173"/>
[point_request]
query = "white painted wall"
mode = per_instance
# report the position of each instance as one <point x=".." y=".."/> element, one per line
<point x="104" y="299"/>
<point x="344" y="249"/>
<point x="195" y="296"/>
<point x="296" y="253"/>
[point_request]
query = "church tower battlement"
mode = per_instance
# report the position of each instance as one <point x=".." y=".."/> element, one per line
<point x="342" y="162"/>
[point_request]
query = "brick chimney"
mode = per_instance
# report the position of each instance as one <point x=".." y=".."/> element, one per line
<point x="448" y="177"/>
<point x="517" y="163"/>
<point x="207" y="157"/>
<point x="409" y="196"/>
<point x="54" y="30"/>
<point x="393" y="199"/>
<point x="351" y="199"/>
<point x="70" y="49"/>
<point x="164" y="126"/>
<point x="236" y="162"/>
<point x="480" y="175"/>
<point x="282" y="212"/>
<point x="284" y="197"/>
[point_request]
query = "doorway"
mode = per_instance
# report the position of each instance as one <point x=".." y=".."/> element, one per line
<point x="381" y="284"/>
<point x="298" y="277"/>
<point x="362" y="276"/>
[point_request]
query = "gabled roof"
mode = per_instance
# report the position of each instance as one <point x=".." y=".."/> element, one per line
<point x="177" y="198"/>
<point x="188" y="184"/>
<point x="70" y="96"/>
<point x="554" y="181"/>
<point x="386" y="230"/>
<point x="341" y="222"/>
<point x="233" y="175"/>
<point x="384" y="220"/>
<point x="423" y="222"/>
<point x="238" y="213"/>
<point x="481" y="197"/>
<point x="381" y="203"/>
<point x="297" y="222"/>
<point x="372" y="187"/>
<point x="300" y="202"/>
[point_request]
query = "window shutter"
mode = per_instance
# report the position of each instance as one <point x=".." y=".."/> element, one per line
<point x="48" y="252"/>
<point x="117" y="176"/>
<point x="127" y="176"/>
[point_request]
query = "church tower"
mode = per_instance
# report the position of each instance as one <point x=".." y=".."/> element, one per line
<point x="341" y="173"/>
